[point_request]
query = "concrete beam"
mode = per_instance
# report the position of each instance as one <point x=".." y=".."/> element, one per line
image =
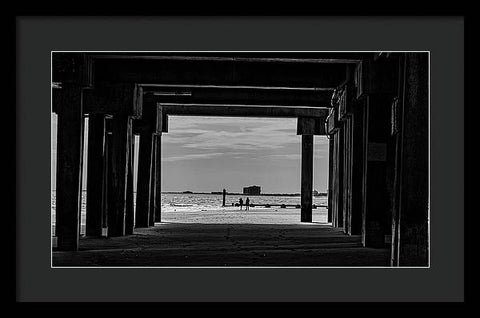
<point x="242" y="110"/>
<point x="150" y="119"/>
<point x="234" y="95"/>
<point x="145" y="70"/>
<point x="265" y="57"/>
<point x="377" y="76"/>
<point x="310" y="126"/>
<point x="114" y="99"/>
<point x="72" y="68"/>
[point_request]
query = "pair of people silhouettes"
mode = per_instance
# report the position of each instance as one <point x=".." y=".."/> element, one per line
<point x="247" y="203"/>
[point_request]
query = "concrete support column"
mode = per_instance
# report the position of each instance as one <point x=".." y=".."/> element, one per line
<point x="129" y="211"/>
<point x="118" y="184"/>
<point x="350" y="174"/>
<point x="339" y="139"/>
<point x="143" y="180"/>
<point x="412" y="198"/>
<point x="346" y="176"/>
<point x="95" y="184"/>
<point x="330" y="177"/>
<point x="307" y="178"/>
<point x="377" y="199"/>
<point x="358" y="164"/>
<point x="334" y="201"/>
<point x="107" y="177"/>
<point x="365" y="169"/>
<point x="69" y="167"/>
<point x="152" y="203"/>
<point x="157" y="210"/>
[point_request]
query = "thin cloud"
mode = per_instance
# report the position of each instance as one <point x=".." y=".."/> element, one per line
<point x="192" y="156"/>
<point x="294" y="156"/>
<point x="232" y="133"/>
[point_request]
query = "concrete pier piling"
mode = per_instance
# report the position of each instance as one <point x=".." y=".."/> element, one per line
<point x="307" y="178"/>
<point x="107" y="177"/>
<point x="118" y="184"/>
<point x="143" y="180"/>
<point x="95" y="182"/>
<point x="129" y="211"/>
<point x="69" y="166"/>
<point x="157" y="208"/>
<point x="153" y="184"/>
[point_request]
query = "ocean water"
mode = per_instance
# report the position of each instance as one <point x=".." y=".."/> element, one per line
<point x="197" y="203"/>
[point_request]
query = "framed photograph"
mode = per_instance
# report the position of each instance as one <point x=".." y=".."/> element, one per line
<point x="240" y="159"/>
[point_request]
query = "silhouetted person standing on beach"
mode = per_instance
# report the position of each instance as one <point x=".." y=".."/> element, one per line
<point x="241" y="203"/>
<point x="247" y="204"/>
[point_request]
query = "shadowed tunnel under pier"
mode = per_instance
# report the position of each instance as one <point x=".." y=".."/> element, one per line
<point x="372" y="106"/>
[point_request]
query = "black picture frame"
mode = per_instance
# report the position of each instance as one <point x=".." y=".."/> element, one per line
<point x="288" y="283"/>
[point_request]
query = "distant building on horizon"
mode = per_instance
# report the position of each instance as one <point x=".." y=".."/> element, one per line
<point x="252" y="190"/>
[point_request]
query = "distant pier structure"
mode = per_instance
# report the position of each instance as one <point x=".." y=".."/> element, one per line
<point x="372" y="107"/>
<point x="252" y="190"/>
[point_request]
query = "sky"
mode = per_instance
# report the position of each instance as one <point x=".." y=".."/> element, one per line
<point x="204" y="154"/>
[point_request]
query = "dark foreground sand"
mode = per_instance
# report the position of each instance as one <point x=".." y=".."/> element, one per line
<point x="228" y="238"/>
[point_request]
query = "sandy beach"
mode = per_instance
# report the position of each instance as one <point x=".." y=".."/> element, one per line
<point x="236" y="216"/>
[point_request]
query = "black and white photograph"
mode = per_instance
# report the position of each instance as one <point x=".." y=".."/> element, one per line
<point x="242" y="159"/>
